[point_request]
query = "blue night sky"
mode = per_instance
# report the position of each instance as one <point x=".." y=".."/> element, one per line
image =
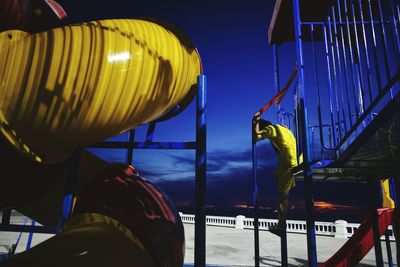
<point x="231" y="36"/>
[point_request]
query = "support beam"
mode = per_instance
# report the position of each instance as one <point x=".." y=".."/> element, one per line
<point x="305" y="144"/>
<point x="200" y="183"/>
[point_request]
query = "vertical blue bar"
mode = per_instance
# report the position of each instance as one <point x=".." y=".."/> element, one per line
<point x="387" y="237"/>
<point x="352" y="61"/>
<point x="255" y="199"/>
<point x="375" y="49"/>
<point x="316" y="85"/>
<point x="384" y="41"/>
<point x="375" y="223"/>
<point x="396" y="189"/>
<point x="129" y="156"/>
<point x="394" y="37"/>
<point x="276" y="80"/>
<point x="70" y="188"/>
<point x="346" y="72"/>
<point x="339" y="83"/>
<point x="150" y="132"/>
<point x="388" y="248"/>
<point x="330" y="86"/>
<point x="395" y="28"/>
<point x="305" y="144"/>
<point x="281" y="121"/>
<point x="29" y="242"/>
<point x="366" y="48"/>
<point x="360" y="76"/>
<point x="200" y="183"/>
<point x="392" y="187"/>
<point x="284" y="254"/>
<point x="335" y="81"/>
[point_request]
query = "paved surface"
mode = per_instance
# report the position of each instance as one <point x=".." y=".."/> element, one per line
<point x="229" y="247"/>
<point x="234" y="247"/>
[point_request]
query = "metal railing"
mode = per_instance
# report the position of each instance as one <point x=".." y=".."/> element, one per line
<point x="337" y="229"/>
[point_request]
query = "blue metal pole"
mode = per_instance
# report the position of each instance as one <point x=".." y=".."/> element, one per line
<point x="330" y="86"/>
<point x="360" y="76"/>
<point x="352" y="65"/>
<point x="312" y="142"/>
<point x="395" y="28"/>
<point x="335" y="82"/>
<point x="129" y="156"/>
<point x="255" y="198"/>
<point x="200" y="183"/>
<point x="308" y="193"/>
<point x="387" y="237"/>
<point x="383" y="39"/>
<point x="316" y="85"/>
<point x="344" y="58"/>
<point x="340" y="71"/>
<point x="150" y="132"/>
<point x="392" y="186"/>
<point x="375" y="223"/>
<point x="29" y="242"/>
<point x="69" y="193"/>
<point x="396" y="225"/>
<point x="375" y="49"/>
<point x="284" y="260"/>
<point x="388" y="249"/>
<point x="305" y="144"/>
<point x="276" y="78"/>
<point x="364" y="39"/>
<point x="394" y="38"/>
<point x="284" y="254"/>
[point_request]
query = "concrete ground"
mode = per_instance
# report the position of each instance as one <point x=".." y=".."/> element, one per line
<point x="229" y="246"/>
<point x="234" y="247"/>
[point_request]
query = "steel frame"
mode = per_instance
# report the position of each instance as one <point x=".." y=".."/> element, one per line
<point x="361" y="48"/>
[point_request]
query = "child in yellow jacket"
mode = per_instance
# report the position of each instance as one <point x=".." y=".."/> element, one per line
<point x="284" y="144"/>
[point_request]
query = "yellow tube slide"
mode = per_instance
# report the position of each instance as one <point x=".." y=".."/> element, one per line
<point x="87" y="240"/>
<point x="75" y="85"/>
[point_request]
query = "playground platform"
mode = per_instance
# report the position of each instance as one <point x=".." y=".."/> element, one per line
<point x="231" y="247"/>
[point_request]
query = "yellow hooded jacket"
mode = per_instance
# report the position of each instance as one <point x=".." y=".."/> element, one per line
<point x="284" y="143"/>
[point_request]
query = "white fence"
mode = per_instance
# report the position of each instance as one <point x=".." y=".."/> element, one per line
<point x="338" y="229"/>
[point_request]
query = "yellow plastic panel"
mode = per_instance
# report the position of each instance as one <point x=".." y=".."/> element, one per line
<point x="387" y="201"/>
<point x="76" y="85"/>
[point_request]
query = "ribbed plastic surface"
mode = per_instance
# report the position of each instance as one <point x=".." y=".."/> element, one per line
<point x="76" y="85"/>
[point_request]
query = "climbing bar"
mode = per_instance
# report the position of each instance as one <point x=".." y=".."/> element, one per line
<point x="365" y="51"/>
<point x="330" y="84"/>
<point x="342" y="123"/>
<point x="344" y="59"/>
<point x="383" y="39"/>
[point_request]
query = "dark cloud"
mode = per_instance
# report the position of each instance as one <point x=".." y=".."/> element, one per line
<point x="229" y="177"/>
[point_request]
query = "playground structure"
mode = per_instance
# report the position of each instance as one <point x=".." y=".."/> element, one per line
<point x="57" y="105"/>
<point x="346" y="99"/>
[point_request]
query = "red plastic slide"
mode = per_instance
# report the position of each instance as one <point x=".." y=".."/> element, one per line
<point x="361" y="242"/>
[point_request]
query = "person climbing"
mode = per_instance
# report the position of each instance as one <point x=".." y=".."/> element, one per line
<point x="284" y="144"/>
